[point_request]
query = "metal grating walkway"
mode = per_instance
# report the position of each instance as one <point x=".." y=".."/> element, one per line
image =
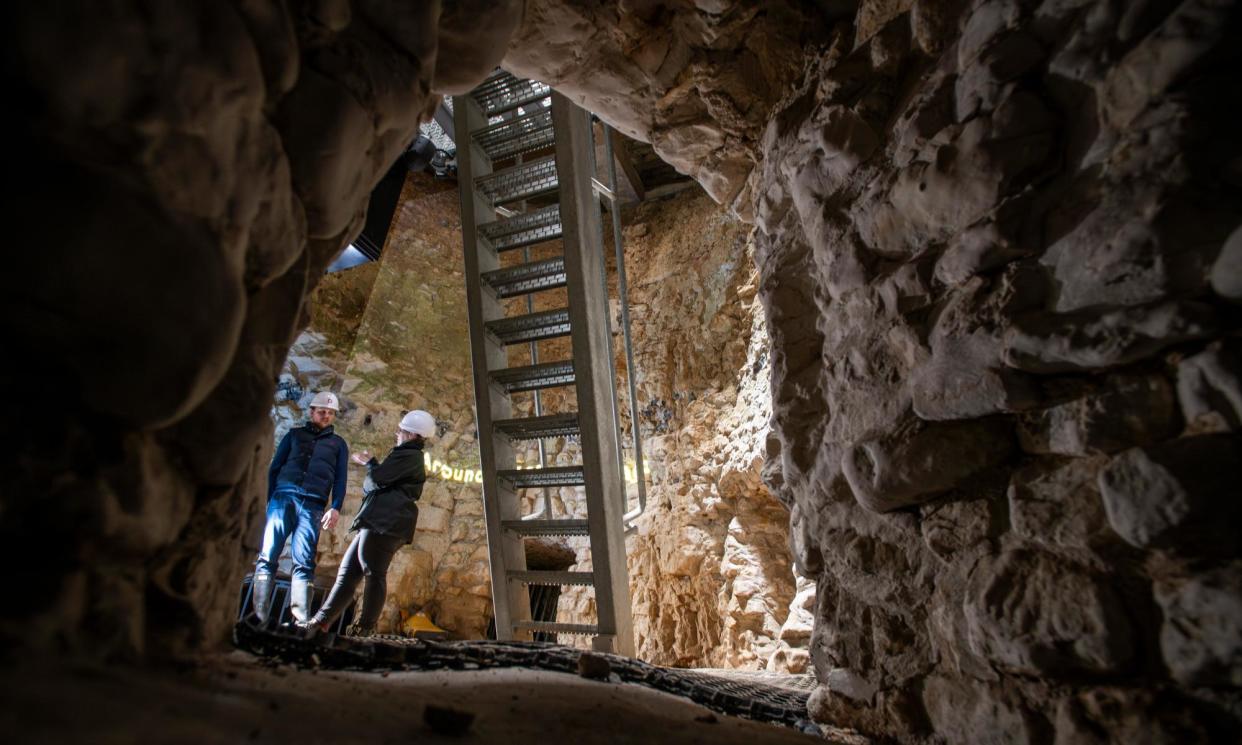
<point x="757" y="699"/>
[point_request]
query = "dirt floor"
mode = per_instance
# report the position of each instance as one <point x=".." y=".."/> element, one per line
<point x="234" y="698"/>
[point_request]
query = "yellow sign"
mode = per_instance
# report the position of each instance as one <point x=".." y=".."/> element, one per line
<point x="446" y="472"/>
<point x="437" y="467"/>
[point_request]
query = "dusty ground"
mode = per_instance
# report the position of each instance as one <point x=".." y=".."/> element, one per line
<point x="232" y="698"/>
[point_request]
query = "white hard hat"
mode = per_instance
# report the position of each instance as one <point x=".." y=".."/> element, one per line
<point x="419" y="422"/>
<point x="325" y="400"/>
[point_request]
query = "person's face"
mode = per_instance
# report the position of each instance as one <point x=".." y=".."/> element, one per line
<point x="322" y="417"/>
<point x="403" y="437"/>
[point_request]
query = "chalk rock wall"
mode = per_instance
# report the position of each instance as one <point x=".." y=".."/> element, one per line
<point x="711" y="576"/>
<point x="997" y="248"/>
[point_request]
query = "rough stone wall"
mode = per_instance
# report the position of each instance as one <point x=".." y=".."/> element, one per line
<point x="214" y="157"/>
<point x="710" y="572"/>
<point x="696" y="80"/>
<point x="997" y="248"/>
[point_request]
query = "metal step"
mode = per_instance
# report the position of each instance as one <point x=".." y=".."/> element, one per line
<point x="547" y="324"/>
<point x="524" y="181"/>
<point x="524" y="279"/>
<point x="503" y="92"/>
<point x="588" y="629"/>
<point x="522" y="134"/>
<point x="523" y="230"/>
<point x="547" y="527"/>
<point x="534" y="377"/>
<point x="538" y="427"/>
<point x="553" y="579"/>
<point x="535" y="478"/>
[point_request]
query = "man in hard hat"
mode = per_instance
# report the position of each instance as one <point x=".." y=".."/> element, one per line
<point x="305" y="489"/>
<point x="385" y="523"/>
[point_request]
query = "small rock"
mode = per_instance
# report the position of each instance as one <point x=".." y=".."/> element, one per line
<point x="965" y="711"/>
<point x="1201" y="637"/>
<point x="1129" y="411"/>
<point x="1226" y="275"/>
<point x="1181" y="494"/>
<point x="1092" y="340"/>
<point x="593" y="666"/>
<point x="850" y="684"/>
<point x="914" y="465"/>
<point x="1034" y="613"/>
<point x="1209" y="387"/>
<point x="447" y="721"/>
<point x="1058" y="503"/>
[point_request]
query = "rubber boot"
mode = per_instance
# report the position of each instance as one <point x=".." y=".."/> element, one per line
<point x="261" y="597"/>
<point x="300" y="595"/>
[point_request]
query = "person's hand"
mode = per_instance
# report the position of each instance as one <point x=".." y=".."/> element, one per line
<point x="330" y="519"/>
<point x="361" y="458"/>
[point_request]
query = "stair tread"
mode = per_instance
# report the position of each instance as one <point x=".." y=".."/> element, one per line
<point x="524" y="181"/>
<point x="553" y="578"/>
<point x="538" y="427"/>
<point x="563" y="526"/>
<point x="503" y="92"/>
<point x="553" y="627"/>
<point x="546" y="274"/>
<point x="525" y="478"/>
<point x="524" y="229"/>
<point x="531" y="326"/>
<point x="533" y="377"/>
<point x="522" y="134"/>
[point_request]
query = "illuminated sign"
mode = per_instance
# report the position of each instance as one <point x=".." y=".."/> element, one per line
<point x="463" y="475"/>
<point x="437" y="467"/>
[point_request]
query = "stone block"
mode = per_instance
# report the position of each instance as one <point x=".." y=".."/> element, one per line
<point x="1033" y="613"/>
<point x="1091" y="340"/>
<point x="1058" y="504"/>
<point x="433" y="519"/>
<point x="1180" y="494"/>
<point x="1126" y="412"/>
<point x="1226" y="276"/>
<point x="1209" y="387"/>
<point x="1201" y="633"/>
<point x="963" y="711"/>
<point x="1108" y="716"/>
<point x="922" y="460"/>
<point x="955" y="525"/>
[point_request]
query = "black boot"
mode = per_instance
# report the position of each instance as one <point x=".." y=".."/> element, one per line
<point x="261" y="598"/>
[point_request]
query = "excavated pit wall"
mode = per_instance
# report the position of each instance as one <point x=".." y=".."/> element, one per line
<point x="998" y="253"/>
<point x="711" y="576"/>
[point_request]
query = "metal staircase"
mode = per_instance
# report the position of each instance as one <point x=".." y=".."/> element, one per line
<point x="525" y="161"/>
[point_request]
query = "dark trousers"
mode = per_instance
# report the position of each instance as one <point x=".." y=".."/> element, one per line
<point x="368" y="556"/>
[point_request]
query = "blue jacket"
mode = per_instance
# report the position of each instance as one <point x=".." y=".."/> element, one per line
<point x="312" y="459"/>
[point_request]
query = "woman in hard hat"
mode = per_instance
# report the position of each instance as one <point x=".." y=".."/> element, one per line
<point x="384" y="523"/>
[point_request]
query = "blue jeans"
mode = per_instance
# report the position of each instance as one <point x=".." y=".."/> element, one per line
<point x="289" y="511"/>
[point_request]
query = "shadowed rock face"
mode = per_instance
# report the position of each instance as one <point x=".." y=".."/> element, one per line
<point x="184" y="173"/>
<point x="990" y="246"/>
<point x="997" y="243"/>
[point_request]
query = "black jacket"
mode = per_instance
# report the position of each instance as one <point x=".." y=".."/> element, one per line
<point x="314" y="459"/>
<point x="391" y="489"/>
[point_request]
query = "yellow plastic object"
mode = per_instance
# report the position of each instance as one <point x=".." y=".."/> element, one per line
<point x="420" y="625"/>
